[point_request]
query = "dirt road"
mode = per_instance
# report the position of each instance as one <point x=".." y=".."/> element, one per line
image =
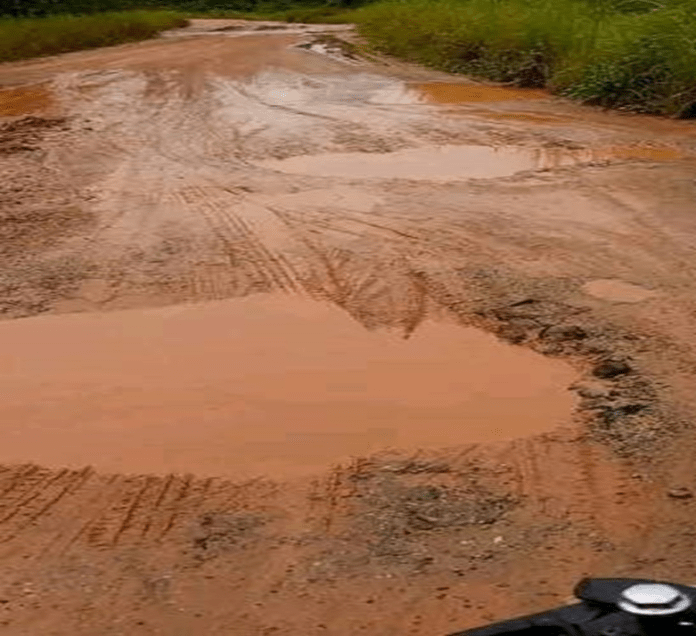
<point x="147" y="186"/>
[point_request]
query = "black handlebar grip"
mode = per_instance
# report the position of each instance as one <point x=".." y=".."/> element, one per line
<point x="539" y="625"/>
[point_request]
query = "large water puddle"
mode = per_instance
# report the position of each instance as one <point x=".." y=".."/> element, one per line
<point x="456" y="163"/>
<point x="264" y="385"/>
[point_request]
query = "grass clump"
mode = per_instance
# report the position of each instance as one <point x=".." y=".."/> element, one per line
<point x="31" y="37"/>
<point x="630" y="54"/>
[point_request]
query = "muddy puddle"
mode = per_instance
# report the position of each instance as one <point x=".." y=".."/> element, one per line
<point x="453" y="93"/>
<point x="454" y="163"/>
<point x="457" y="93"/>
<point x="23" y="100"/>
<point x="274" y="385"/>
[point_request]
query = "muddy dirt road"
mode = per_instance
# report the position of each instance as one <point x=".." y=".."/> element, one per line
<point x="271" y="402"/>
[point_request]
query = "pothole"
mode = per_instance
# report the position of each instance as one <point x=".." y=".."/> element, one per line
<point x="618" y="291"/>
<point x="275" y="385"/>
<point x="458" y="162"/>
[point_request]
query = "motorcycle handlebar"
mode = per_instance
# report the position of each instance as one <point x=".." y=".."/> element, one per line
<point x="537" y="625"/>
<point x="622" y="607"/>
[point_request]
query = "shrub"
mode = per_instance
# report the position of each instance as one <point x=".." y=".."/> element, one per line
<point x="644" y="63"/>
<point x="27" y="37"/>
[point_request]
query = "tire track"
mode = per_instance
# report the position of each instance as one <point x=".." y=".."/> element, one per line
<point x="85" y="512"/>
<point x="52" y="512"/>
<point x="233" y="221"/>
<point x="15" y="478"/>
<point x="119" y="511"/>
<point x="234" y="241"/>
<point x="160" y="497"/>
<point x="32" y="511"/>
<point x="26" y="491"/>
<point x="272" y="266"/>
<point x="363" y="284"/>
<point x="131" y="510"/>
<point x="174" y="508"/>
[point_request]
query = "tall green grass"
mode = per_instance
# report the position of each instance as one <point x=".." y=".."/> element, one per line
<point x="32" y="37"/>
<point x="329" y="14"/>
<point x="631" y="54"/>
<point x="642" y="63"/>
<point x="39" y="8"/>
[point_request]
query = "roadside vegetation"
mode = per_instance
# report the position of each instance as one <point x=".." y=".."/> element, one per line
<point x="637" y="55"/>
<point x="198" y="8"/>
<point x="31" y="37"/>
<point x="31" y="28"/>
<point x="329" y="14"/>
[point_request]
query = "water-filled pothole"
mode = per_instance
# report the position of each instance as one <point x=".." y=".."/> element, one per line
<point x="263" y="385"/>
<point x="456" y="163"/>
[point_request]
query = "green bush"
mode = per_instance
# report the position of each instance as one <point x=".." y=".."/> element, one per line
<point x="633" y="54"/>
<point x="505" y="40"/>
<point x="644" y="63"/>
<point x="31" y="37"/>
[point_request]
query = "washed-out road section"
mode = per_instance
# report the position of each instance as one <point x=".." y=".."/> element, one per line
<point x="276" y="316"/>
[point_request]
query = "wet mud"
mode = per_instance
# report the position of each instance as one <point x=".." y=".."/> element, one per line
<point x="159" y="211"/>
<point x="23" y="101"/>
<point x="457" y="93"/>
<point x="618" y="291"/>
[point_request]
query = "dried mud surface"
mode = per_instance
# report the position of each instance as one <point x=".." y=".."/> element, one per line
<point x="137" y="179"/>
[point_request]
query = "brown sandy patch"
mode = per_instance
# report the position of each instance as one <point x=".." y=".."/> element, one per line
<point x="24" y="100"/>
